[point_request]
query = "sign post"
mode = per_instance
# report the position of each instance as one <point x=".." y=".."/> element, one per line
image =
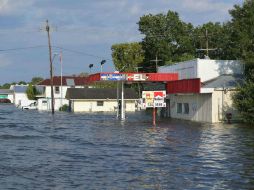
<point x="154" y="99"/>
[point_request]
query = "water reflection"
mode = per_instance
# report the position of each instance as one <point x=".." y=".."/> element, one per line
<point x="96" y="151"/>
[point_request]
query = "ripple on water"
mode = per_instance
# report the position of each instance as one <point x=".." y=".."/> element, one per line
<point x="95" y="151"/>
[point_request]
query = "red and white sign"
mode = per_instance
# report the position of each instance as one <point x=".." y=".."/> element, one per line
<point x="154" y="98"/>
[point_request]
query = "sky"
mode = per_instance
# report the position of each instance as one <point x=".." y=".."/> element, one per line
<point x="84" y="29"/>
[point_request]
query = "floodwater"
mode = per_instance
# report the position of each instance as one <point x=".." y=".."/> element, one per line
<point x="96" y="151"/>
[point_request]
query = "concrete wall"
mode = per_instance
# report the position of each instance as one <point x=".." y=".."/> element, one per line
<point x="91" y="105"/>
<point x="200" y="107"/>
<point x="205" y="69"/>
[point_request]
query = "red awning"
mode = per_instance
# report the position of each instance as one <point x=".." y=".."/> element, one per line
<point x="184" y="86"/>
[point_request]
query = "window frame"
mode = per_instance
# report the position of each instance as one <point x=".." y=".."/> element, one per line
<point x="57" y="91"/>
<point x="179" y="108"/>
<point x="186" y="108"/>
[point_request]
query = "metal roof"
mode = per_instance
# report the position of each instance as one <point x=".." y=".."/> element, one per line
<point x="98" y="93"/>
<point x="20" y="89"/>
<point x="224" y="81"/>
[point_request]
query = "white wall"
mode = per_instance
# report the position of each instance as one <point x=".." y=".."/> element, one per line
<point x="91" y="105"/>
<point x="57" y="96"/>
<point x="11" y="98"/>
<point x="205" y="69"/>
<point x="20" y="99"/>
<point x="185" y="70"/>
<point x="200" y="107"/>
<point x="44" y="104"/>
<point x="209" y="69"/>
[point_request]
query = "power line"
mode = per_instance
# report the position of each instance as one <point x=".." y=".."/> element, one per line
<point x="82" y="53"/>
<point x="22" y="48"/>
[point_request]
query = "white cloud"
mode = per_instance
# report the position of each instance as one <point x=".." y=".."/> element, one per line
<point x="14" y="7"/>
<point x="205" y="6"/>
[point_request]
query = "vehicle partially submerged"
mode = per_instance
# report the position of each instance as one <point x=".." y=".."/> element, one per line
<point x="32" y="106"/>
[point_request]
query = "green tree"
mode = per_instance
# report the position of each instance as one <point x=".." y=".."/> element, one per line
<point x="242" y="34"/>
<point x="244" y="101"/>
<point x="36" y="80"/>
<point x="166" y="37"/>
<point x="22" y="83"/>
<point x="216" y="36"/>
<point x="5" y="86"/>
<point x="31" y="92"/>
<point x="127" y="56"/>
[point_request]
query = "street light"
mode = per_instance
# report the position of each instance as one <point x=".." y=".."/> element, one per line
<point x="102" y="63"/>
<point x="90" y="67"/>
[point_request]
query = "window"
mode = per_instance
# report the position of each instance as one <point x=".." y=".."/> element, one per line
<point x="44" y="102"/>
<point x="100" y="103"/>
<point x="57" y="91"/>
<point x="179" y="108"/>
<point x="186" y="108"/>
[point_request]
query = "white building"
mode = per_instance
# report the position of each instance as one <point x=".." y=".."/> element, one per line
<point x="20" y="98"/>
<point x="99" y="100"/>
<point x="44" y="100"/>
<point x="204" y="90"/>
<point x="205" y="69"/>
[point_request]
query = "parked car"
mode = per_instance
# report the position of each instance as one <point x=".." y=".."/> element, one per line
<point x="4" y="100"/>
<point x="32" y="106"/>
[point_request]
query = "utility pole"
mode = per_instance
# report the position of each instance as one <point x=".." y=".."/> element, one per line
<point x="207" y="44"/>
<point x="156" y="60"/>
<point x="51" y="70"/>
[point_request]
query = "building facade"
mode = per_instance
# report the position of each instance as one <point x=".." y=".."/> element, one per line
<point x="204" y="90"/>
<point x="99" y="100"/>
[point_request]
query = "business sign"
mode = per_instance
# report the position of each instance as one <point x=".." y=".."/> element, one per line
<point x="154" y="98"/>
<point x="136" y="77"/>
<point x="113" y="77"/>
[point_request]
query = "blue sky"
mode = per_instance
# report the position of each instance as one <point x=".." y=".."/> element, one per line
<point x="86" y="26"/>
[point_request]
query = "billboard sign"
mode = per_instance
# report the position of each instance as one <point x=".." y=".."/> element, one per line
<point x="154" y="98"/>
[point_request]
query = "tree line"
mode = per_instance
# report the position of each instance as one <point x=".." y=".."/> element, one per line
<point x="171" y="40"/>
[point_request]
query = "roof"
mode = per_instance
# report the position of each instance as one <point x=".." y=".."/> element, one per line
<point x="98" y="93"/>
<point x="67" y="81"/>
<point x="6" y="91"/>
<point x="20" y="89"/>
<point x="224" y="81"/>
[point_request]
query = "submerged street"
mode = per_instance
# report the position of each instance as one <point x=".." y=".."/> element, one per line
<point x="96" y="151"/>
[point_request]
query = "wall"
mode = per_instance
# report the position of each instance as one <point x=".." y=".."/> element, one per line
<point x="200" y="107"/>
<point x="185" y="70"/>
<point x="222" y="104"/>
<point x="209" y="69"/>
<point x="44" y="104"/>
<point x="91" y="105"/>
<point x="20" y="99"/>
<point x="10" y="97"/>
<point x="205" y="69"/>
